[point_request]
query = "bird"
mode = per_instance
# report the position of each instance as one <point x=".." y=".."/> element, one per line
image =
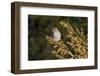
<point x="56" y="34"/>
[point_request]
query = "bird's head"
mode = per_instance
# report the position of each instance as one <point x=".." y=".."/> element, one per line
<point x="54" y="29"/>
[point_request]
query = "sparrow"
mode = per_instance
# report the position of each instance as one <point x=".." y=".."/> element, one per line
<point x="56" y="34"/>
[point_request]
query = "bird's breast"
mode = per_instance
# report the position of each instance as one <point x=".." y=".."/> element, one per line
<point x="56" y="35"/>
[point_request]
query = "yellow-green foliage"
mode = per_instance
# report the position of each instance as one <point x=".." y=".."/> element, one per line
<point x="74" y="48"/>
